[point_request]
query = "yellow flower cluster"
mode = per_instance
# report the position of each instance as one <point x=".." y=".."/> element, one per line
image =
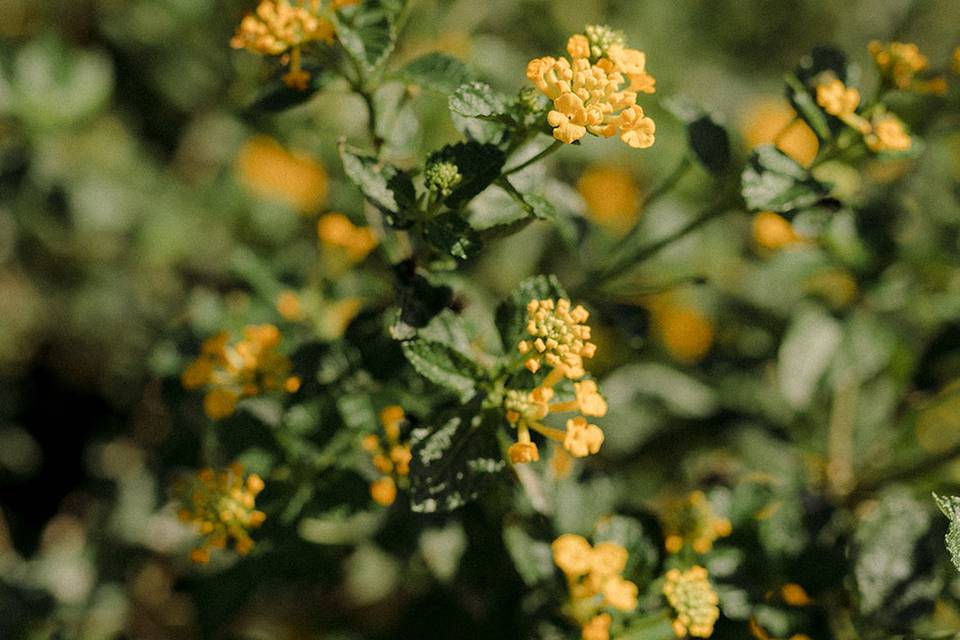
<point x="560" y="339"/>
<point x="272" y="172"/>
<point x="337" y="232"/>
<point x="232" y="371"/>
<point x="694" y="600"/>
<point x="900" y="63"/>
<point x="390" y="456"/>
<point x="883" y="132"/>
<point x="692" y="521"/>
<point x="221" y="507"/>
<point x="594" y="581"/>
<point x="685" y="331"/>
<point x="595" y="91"/>
<point x="277" y="26"/>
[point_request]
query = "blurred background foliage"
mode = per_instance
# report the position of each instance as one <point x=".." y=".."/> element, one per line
<point x="144" y="208"/>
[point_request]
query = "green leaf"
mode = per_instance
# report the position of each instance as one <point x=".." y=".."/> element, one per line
<point x="449" y="232"/>
<point x="805" y="353"/>
<point x="533" y="559"/>
<point x="437" y="72"/>
<point x="454" y="463"/>
<point x="368" y="31"/>
<point x="803" y="102"/>
<point x="772" y="181"/>
<point x="512" y="312"/>
<point x="820" y="60"/>
<point x="950" y="506"/>
<point x="479" y="165"/>
<point x="419" y="300"/>
<point x="385" y="186"/>
<point x="710" y="143"/>
<point x="477" y="100"/>
<point x="443" y="366"/>
<point x="277" y="96"/>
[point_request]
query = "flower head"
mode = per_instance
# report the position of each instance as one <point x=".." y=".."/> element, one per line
<point x="836" y="99"/>
<point x="559" y="337"/>
<point x="244" y="368"/>
<point x="442" y="178"/>
<point x="694" y="600"/>
<point x="337" y="232"/>
<point x="598" y="628"/>
<point x="220" y="506"/>
<point x="582" y="438"/>
<point x="899" y="62"/>
<point x="887" y="133"/>
<point x="389" y="455"/>
<point x="595" y="91"/>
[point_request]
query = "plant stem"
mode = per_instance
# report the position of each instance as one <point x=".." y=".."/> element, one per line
<point x="537" y="158"/>
<point x="907" y="472"/>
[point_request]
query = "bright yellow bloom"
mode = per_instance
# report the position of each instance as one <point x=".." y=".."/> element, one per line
<point x="270" y="171"/>
<point x="598" y="628"/>
<point x="573" y="554"/>
<point x="589" y="400"/>
<point x="245" y="368"/>
<point x="836" y="99"/>
<point x="581" y="438"/>
<point x="769" y="120"/>
<point x="559" y="337"/>
<point x="694" y="600"/>
<point x="899" y="62"/>
<point x="595" y="94"/>
<point x="390" y="456"/>
<point x="773" y="231"/>
<point x="887" y="134"/>
<point x="336" y="231"/>
<point x="620" y="594"/>
<point x="278" y="27"/>
<point x="608" y="559"/>
<point x="221" y="507"/>
<point x="692" y="521"/>
<point x="611" y="196"/>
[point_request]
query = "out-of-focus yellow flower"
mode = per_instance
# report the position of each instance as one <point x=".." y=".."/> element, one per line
<point x="593" y="571"/>
<point x="289" y="306"/>
<point x="245" y="368"/>
<point x="336" y="231"/>
<point x="220" y="505"/>
<point x="773" y="231"/>
<point x="685" y="332"/>
<point x="389" y="455"/>
<point x="596" y="94"/>
<point x="836" y="99"/>
<point x="611" y="196"/>
<point x="956" y="61"/>
<point x="770" y="120"/>
<point x="270" y="171"/>
<point x="899" y="62"/>
<point x="887" y="133"/>
<point x="278" y="27"/>
<point x="561" y="462"/>
<point x="523" y="452"/>
<point x="693" y="600"/>
<point x="795" y="595"/>
<point x="692" y="521"/>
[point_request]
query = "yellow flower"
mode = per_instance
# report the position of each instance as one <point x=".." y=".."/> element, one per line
<point x="589" y="400"/>
<point x="219" y="403"/>
<point x="611" y="196"/>
<point x="686" y="333"/>
<point x="559" y="337"/>
<point x="595" y="97"/>
<point x="620" y="594"/>
<point x="608" y="559"/>
<point x="523" y="452"/>
<point x="573" y="554"/>
<point x="560" y="463"/>
<point x="270" y="171"/>
<point x="899" y="62"/>
<point x="384" y="491"/>
<point x="598" y="628"/>
<point x="694" y="600"/>
<point x="887" y="134"/>
<point x="795" y="595"/>
<point x="956" y="61"/>
<point x="836" y="99"/>
<point x="692" y="521"/>
<point x="335" y="230"/>
<point x="773" y="231"/>
<point x="220" y="505"/>
<point x="769" y="120"/>
<point x="582" y="438"/>
<point x="289" y="306"/>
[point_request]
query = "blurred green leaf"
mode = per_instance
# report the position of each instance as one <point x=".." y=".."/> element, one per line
<point x="436" y="71"/>
<point x="772" y="181"/>
<point x="533" y="559"/>
<point x="419" y="300"/>
<point x="368" y="31"/>
<point x="277" y="96"/>
<point x="805" y="353"/>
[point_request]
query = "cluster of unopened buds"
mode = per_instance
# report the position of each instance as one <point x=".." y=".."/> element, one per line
<point x="390" y="456"/>
<point x="694" y="601"/>
<point x="594" y="580"/>
<point x="559" y="339"/>
<point x="692" y="521"/>
<point x="595" y="91"/>
<point x="220" y="505"/>
<point x="883" y="131"/>
<point x="244" y="368"/>
<point x="279" y="27"/>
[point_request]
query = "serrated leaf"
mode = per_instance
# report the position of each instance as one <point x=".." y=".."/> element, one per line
<point x="443" y="366"/>
<point x="950" y="506"/>
<point x="454" y="463"/>
<point x="512" y="313"/>
<point x="479" y="165"/>
<point x="383" y="185"/>
<point x="449" y="232"/>
<point x="772" y="181"/>
<point x="277" y="96"/>
<point x="368" y="31"/>
<point x="477" y="100"/>
<point x="436" y="71"/>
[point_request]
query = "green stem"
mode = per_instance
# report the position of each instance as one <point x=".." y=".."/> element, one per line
<point x="916" y="469"/>
<point x="664" y="187"/>
<point x="537" y="158"/>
